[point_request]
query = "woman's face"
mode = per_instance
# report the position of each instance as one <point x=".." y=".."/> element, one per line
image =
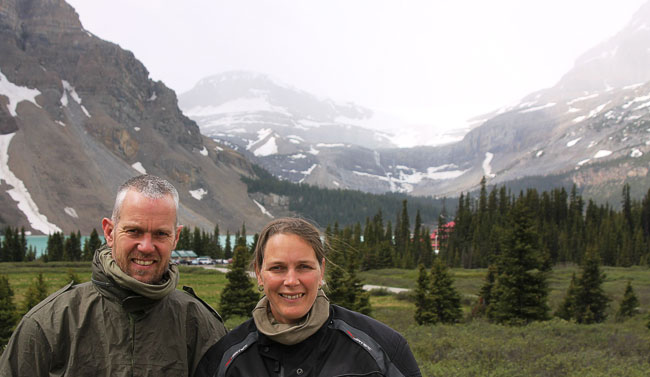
<point x="291" y="276"/>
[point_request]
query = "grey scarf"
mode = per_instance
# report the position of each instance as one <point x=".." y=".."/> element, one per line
<point x="290" y="334"/>
<point x="151" y="291"/>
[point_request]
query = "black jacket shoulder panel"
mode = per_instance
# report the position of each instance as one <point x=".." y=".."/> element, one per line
<point x="388" y="347"/>
<point x="213" y="363"/>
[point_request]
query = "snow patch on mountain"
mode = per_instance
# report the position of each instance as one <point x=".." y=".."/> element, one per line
<point x="138" y="166"/>
<point x="602" y="153"/>
<point x="198" y="194"/>
<point x="264" y="210"/>
<point x="19" y="192"/>
<point x="573" y="142"/>
<point x="598" y="109"/>
<point x="16" y="94"/>
<point x="487" y="168"/>
<point x="636" y="100"/>
<point x="69" y="90"/>
<point x="537" y="108"/>
<point x="239" y="105"/>
<point x="71" y="212"/>
<point x="270" y="147"/>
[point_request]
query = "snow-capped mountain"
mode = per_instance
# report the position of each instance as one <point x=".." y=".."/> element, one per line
<point x="267" y="117"/>
<point x="296" y="135"/>
<point x="591" y="129"/>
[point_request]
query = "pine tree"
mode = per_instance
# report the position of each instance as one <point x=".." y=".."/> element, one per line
<point x="217" y="240"/>
<point x="445" y="299"/>
<point x="337" y="289"/>
<point x="521" y="291"/>
<point x="241" y="240"/>
<point x="91" y="245"/>
<point x="184" y="239"/>
<point x="197" y="245"/>
<point x="55" y="246"/>
<point x="72" y="277"/>
<point x="485" y="294"/>
<point x="36" y="293"/>
<point x="72" y="247"/>
<point x="591" y="301"/>
<point x="239" y="296"/>
<point x="629" y="303"/>
<point x="566" y="310"/>
<point x="8" y="315"/>
<point x="227" y="252"/>
<point x="423" y="304"/>
<point x="359" y="299"/>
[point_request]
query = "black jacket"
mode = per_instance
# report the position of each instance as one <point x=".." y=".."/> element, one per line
<point x="349" y="344"/>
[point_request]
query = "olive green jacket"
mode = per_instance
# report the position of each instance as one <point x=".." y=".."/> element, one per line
<point x="100" y="329"/>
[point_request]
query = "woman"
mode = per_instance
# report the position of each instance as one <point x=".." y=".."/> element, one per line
<point x="294" y="330"/>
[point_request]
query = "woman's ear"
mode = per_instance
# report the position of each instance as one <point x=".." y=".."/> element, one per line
<point x="259" y="276"/>
<point x="322" y="269"/>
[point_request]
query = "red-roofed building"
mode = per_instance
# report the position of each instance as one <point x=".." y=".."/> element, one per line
<point x="436" y="239"/>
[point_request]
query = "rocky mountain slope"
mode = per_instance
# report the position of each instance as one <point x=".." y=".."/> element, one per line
<point x="79" y="115"/>
<point x="591" y="129"/>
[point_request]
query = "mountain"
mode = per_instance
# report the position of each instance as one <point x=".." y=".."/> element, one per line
<point x="294" y="134"/>
<point x="591" y="129"/>
<point x="79" y="115"/>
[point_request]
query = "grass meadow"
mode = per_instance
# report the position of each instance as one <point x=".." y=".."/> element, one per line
<point x="472" y="348"/>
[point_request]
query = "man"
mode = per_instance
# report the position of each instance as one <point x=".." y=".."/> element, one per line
<point x="129" y="320"/>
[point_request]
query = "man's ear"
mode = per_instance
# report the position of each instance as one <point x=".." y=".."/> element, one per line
<point x="178" y="235"/>
<point x="108" y="227"/>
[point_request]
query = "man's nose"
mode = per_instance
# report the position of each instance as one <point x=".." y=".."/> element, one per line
<point x="146" y="243"/>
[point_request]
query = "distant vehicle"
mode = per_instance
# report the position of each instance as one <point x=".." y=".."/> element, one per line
<point x="204" y="260"/>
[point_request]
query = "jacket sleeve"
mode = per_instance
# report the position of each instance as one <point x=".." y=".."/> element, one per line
<point x="28" y="352"/>
<point x="405" y="361"/>
<point x="206" y="329"/>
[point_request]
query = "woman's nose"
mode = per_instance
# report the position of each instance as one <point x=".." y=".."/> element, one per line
<point x="291" y="278"/>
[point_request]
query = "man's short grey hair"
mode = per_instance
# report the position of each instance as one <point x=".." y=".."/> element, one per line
<point x="148" y="185"/>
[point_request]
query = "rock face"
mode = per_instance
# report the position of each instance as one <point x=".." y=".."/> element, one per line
<point x="79" y="115"/>
<point x="592" y="129"/>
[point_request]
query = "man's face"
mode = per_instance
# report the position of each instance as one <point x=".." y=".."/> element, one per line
<point x="144" y="236"/>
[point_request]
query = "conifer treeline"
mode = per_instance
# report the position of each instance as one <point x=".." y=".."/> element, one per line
<point x="13" y="247"/>
<point x="347" y="207"/>
<point x="566" y="229"/>
<point x="379" y="244"/>
<point x="61" y="248"/>
<point x="209" y="244"/>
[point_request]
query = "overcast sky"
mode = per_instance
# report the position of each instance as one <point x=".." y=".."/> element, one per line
<point x="432" y="62"/>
